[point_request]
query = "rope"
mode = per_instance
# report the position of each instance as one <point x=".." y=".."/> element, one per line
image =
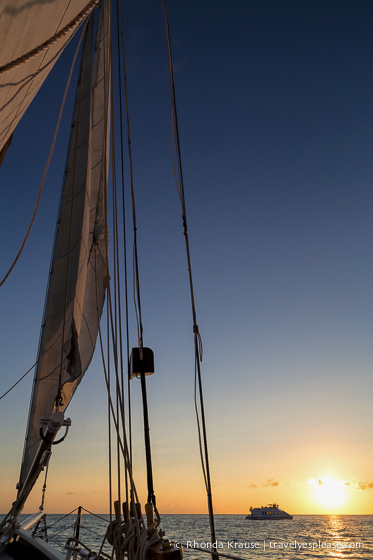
<point x="197" y="337"/>
<point x="116" y="280"/>
<point x="63" y="530"/>
<point x="136" y="281"/>
<point x="126" y="540"/>
<point x="113" y="526"/>
<point x="120" y="32"/>
<point x="199" y="426"/>
<point x="19" y="380"/>
<point x="85" y="528"/>
<point x="28" y="79"/>
<point x="41" y="533"/>
<point x="41" y="507"/>
<point x="47" y="164"/>
<point x="101" y="553"/>
<point x="123" y="445"/>
<point x="34" y="52"/>
<point x="130" y="537"/>
<point x="109" y="416"/>
<point x="135" y="261"/>
<point x="147" y="541"/>
<point x="94" y="514"/>
<point x="63" y="517"/>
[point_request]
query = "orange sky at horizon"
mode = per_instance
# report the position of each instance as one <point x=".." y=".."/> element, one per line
<point x="183" y="492"/>
<point x="96" y="501"/>
<point x="249" y="466"/>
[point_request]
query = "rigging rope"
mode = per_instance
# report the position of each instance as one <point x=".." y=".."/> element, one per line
<point x="197" y="337"/>
<point x="121" y="33"/>
<point x="109" y="415"/>
<point x="63" y="517"/>
<point x="41" y="533"/>
<point x="28" y="79"/>
<point x="116" y="282"/>
<point x="136" y="281"/>
<point x="122" y="444"/>
<point x="124" y="536"/>
<point x="69" y="27"/>
<point x="19" y="380"/>
<point x="48" y="162"/>
<point x="41" y="507"/>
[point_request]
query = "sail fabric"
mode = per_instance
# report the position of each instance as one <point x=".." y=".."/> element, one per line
<point x="79" y="272"/>
<point x="24" y="26"/>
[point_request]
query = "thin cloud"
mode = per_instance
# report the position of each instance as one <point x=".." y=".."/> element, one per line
<point x="271" y="482"/>
<point x="355" y="485"/>
<point x="365" y="485"/>
<point x="359" y="485"/>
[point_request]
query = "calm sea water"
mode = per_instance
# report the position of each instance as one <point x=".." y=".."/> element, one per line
<point x="304" y="537"/>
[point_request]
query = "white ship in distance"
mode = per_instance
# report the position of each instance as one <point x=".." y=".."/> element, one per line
<point x="270" y="512"/>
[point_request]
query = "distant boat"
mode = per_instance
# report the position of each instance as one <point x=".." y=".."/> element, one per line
<point x="272" y="512"/>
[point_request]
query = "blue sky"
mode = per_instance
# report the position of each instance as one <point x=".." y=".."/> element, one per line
<point x="275" y="116"/>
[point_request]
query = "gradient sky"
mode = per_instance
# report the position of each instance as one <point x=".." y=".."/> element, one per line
<point x="276" y="117"/>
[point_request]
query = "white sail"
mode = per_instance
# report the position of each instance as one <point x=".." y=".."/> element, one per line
<point x="79" y="265"/>
<point x="25" y="26"/>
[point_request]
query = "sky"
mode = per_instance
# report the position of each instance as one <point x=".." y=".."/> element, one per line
<point x="275" y="120"/>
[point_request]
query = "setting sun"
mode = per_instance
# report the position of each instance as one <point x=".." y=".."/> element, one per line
<point x="328" y="492"/>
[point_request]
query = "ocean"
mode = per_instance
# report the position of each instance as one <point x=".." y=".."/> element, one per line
<point x="304" y="537"/>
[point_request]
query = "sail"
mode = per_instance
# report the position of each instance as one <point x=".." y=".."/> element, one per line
<point x="79" y="274"/>
<point x="24" y="28"/>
